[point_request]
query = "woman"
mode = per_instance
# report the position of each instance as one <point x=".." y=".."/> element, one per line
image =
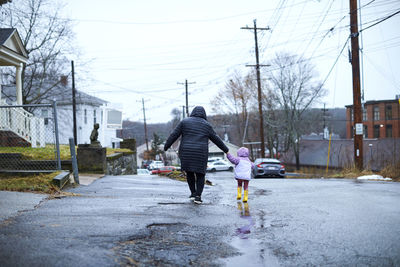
<point x="193" y="150"/>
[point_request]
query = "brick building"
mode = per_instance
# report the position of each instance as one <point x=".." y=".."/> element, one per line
<point x="381" y="119"/>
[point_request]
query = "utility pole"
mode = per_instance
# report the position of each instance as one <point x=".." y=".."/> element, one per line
<point x="324" y="119"/>
<point x="258" y="84"/>
<point x="183" y="112"/>
<point x="145" y="126"/>
<point x="186" y="93"/>
<point x="74" y="103"/>
<point x="323" y="115"/>
<point x="355" y="63"/>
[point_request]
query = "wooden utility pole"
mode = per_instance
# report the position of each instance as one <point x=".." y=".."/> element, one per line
<point x="258" y="85"/>
<point x="145" y="126"/>
<point x="355" y="63"/>
<point x="74" y="103"/>
<point x="187" y="98"/>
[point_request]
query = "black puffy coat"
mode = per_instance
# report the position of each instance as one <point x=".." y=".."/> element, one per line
<point x="193" y="150"/>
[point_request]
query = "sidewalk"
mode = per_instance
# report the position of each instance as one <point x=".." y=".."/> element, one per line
<point x="12" y="203"/>
<point x="87" y="178"/>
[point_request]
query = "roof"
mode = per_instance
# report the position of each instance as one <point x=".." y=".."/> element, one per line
<point x="5" y="33"/>
<point x="213" y="147"/>
<point x="373" y="102"/>
<point x="11" y="47"/>
<point x="62" y="94"/>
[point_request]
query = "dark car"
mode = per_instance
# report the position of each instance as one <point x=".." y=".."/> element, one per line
<point x="146" y="164"/>
<point x="266" y="167"/>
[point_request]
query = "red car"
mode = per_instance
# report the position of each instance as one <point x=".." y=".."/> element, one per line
<point x="165" y="169"/>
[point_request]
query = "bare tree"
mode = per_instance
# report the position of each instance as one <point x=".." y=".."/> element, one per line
<point x="2" y="2"/>
<point x="235" y="98"/>
<point x="297" y="89"/>
<point x="48" y="40"/>
<point x="176" y="117"/>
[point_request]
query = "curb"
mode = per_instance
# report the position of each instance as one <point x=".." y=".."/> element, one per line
<point x="62" y="179"/>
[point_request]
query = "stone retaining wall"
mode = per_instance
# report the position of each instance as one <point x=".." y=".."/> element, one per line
<point x="121" y="164"/>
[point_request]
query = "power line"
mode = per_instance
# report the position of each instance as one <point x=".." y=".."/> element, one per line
<point x="380" y="21"/>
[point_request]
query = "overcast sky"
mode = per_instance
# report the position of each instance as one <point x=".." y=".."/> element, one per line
<point x="142" y="49"/>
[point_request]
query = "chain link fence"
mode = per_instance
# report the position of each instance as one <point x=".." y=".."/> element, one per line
<point x="29" y="139"/>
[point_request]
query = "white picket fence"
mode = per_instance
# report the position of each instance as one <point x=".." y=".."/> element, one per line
<point x="22" y="123"/>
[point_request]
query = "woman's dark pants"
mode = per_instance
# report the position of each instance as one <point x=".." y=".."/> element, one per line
<point x="195" y="182"/>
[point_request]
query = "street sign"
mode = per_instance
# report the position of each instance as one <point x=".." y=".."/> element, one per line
<point x="359" y="129"/>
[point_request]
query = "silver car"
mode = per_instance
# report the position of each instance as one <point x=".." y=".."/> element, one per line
<point x="266" y="167"/>
<point x="219" y="165"/>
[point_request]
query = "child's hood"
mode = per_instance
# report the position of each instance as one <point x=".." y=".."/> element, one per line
<point x="243" y="152"/>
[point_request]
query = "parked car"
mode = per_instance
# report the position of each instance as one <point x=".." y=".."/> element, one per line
<point x="266" y="167"/>
<point x="212" y="159"/>
<point x="219" y="165"/>
<point x="143" y="172"/>
<point x="165" y="169"/>
<point x="156" y="164"/>
<point x="146" y="164"/>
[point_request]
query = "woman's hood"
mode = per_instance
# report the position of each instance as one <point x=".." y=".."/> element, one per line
<point x="200" y="112"/>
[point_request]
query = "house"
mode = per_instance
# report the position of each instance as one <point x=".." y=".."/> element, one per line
<point x="216" y="152"/>
<point x="12" y="131"/>
<point x="381" y="119"/>
<point x="89" y="110"/>
<point x="13" y="53"/>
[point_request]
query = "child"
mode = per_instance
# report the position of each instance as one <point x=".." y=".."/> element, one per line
<point x="243" y="167"/>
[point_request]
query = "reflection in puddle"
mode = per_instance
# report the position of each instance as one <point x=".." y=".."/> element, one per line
<point x="244" y="230"/>
<point x="252" y="252"/>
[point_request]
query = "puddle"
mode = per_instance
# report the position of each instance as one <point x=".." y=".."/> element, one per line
<point x="251" y="249"/>
<point x="244" y="230"/>
<point x="173" y="203"/>
<point x="253" y="254"/>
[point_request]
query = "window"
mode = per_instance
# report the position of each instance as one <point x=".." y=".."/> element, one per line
<point x="364" y="115"/>
<point x="94" y="116"/>
<point x="101" y="118"/>
<point x="376" y="113"/>
<point x="376" y="131"/>
<point x="85" y="116"/>
<point x="365" y="131"/>
<point x="388" y="112"/>
<point x="389" y="131"/>
<point x="45" y="115"/>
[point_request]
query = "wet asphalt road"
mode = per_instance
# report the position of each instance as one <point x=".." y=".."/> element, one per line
<point x="149" y="221"/>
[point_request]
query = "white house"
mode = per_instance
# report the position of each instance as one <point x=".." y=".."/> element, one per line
<point x="214" y="151"/>
<point x="13" y="53"/>
<point x="89" y="110"/>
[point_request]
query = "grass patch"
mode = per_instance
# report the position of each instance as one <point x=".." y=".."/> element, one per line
<point x="111" y="151"/>
<point x="49" y="152"/>
<point x="350" y="172"/>
<point x="33" y="183"/>
<point x="392" y="171"/>
<point x="39" y="153"/>
<point x="176" y="175"/>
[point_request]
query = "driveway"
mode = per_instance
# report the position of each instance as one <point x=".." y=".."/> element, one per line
<point x="149" y="221"/>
